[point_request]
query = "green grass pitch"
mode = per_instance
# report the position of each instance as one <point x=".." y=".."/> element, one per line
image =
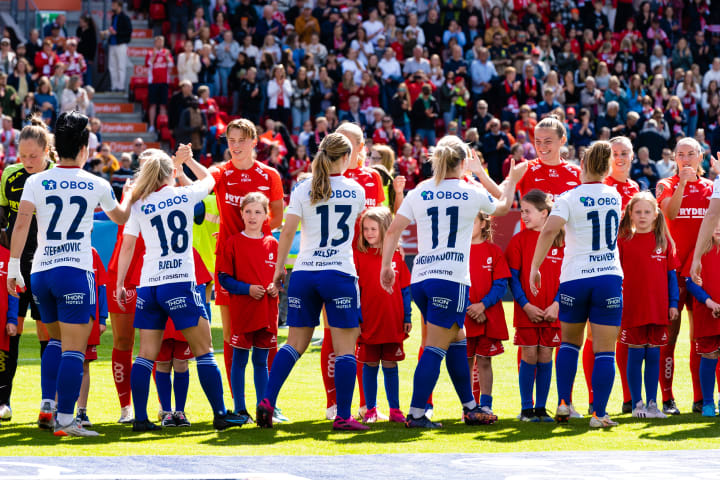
<point x="303" y="401"/>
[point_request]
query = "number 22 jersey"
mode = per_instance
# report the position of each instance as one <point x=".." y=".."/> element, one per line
<point x="328" y="227"/>
<point x="165" y="220"/>
<point x="65" y="199"/>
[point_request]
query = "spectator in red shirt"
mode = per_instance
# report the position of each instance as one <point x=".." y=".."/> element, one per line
<point x="407" y="166"/>
<point x="389" y="135"/>
<point x="159" y="61"/>
<point x="45" y="59"/>
<point x="74" y="60"/>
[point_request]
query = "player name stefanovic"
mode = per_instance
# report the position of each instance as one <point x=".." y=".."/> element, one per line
<point x="64" y="248"/>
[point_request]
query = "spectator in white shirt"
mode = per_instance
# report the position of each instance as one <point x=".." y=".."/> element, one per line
<point x="373" y="26"/>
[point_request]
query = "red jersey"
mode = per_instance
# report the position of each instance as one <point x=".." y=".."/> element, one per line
<point x="301" y="164"/>
<point x="133" y="273"/>
<point x="159" y="63"/>
<point x="487" y="264"/>
<point x="552" y="179"/>
<point x="383" y="314"/>
<point x="75" y="63"/>
<point x="625" y="189"/>
<point x="100" y="280"/>
<point x="704" y="324"/>
<point x="232" y="184"/>
<point x="45" y="63"/>
<point x="645" y="286"/>
<point x="684" y="229"/>
<point x="4" y="337"/>
<point x="408" y="168"/>
<point x="251" y="260"/>
<point x="370" y="180"/>
<point x="202" y="276"/>
<point x="519" y="255"/>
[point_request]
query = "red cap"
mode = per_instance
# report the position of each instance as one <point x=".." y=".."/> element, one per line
<point x="535" y="51"/>
<point x="571" y="111"/>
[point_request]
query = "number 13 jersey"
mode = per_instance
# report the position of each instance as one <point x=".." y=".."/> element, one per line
<point x="165" y="220"/>
<point x="65" y="199"/>
<point x="328" y="227"/>
<point x="592" y="213"/>
<point x="444" y="215"/>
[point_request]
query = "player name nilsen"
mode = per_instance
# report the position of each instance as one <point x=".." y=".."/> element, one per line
<point x="605" y="257"/>
<point x="165" y="264"/>
<point x="443" y="257"/>
<point x="64" y="248"/>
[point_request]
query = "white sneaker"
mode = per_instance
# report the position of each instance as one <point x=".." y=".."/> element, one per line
<point x="604" y="422"/>
<point x="487" y="410"/>
<point x="429" y="412"/>
<point x="126" y="415"/>
<point x="574" y="413"/>
<point x="562" y="414"/>
<point x="5" y="412"/>
<point x="74" y="430"/>
<point x="331" y="412"/>
<point x="639" y="410"/>
<point x="653" y="411"/>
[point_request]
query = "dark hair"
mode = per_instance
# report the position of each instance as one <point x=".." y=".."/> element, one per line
<point x="543" y="201"/>
<point x="71" y="134"/>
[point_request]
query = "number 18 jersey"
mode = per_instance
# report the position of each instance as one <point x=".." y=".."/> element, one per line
<point x="328" y="227"/>
<point x="65" y="200"/>
<point x="165" y="219"/>
<point x="592" y="212"/>
<point x="444" y="215"/>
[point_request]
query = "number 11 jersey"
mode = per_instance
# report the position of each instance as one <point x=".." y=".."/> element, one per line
<point x="328" y="227"/>
<point x="165" y="220"/>
<point x="65" y="199"/>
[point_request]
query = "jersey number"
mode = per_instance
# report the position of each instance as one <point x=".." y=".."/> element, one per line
<point x="72" y="233"/>
<point x="179" y="237"/>
<point x="342" y="225"/>
<point x="611" y="228"/>
<point x="453" y="213"/>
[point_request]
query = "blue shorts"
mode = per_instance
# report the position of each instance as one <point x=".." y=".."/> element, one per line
<point x="598" y="299"/>
<point x="179" y="301"/>
<point x="309" y="291"/>
<point x="441" y="302"/>
<point x="64" y="293"/>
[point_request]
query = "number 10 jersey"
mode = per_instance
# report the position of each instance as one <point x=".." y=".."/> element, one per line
<point x="165" y="220"/>
<point x="65" y="200"/>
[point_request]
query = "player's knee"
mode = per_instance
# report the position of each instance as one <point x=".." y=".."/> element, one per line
<point x="123" y="343"/>
<point x="179" y="365"/>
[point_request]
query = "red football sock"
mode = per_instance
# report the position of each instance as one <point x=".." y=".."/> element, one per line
<point x="271" y="356"/>
<point x="420" y="352"/>
<point x="695" y="374"/>
<point x="360" y="384"/>
<point x="621" y="357"/>
<point x="121" y="366"/>
<point x="228" y="356"/>
<point x="667" y="370"/>
<point x="588" y="360"/>
<point x="476" y="383"/>
<point x="327" y="365"/>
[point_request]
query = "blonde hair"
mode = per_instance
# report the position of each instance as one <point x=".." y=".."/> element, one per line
<point x="37" y="131"/>
<point x="487" y="231"/>
<point x="332" y="148"/>
<point x="245" y="126"/>
<point x="351" y="131"/>
<point x="387" y="156"/>
<point x="551" y="122"/>
<point x="383" y="217"/>
<point x="255" y="197"/>
<point x="623" y="140"/>
<point x="543" y="201"/>
<point x="156" y="169"/>
<point x="697" y="147"/>
<point x="663" y="239"/>
<point x="597" y="158"/>
<point x="448" y="155"/>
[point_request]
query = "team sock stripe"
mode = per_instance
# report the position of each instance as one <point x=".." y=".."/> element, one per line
<point x="461" y="343"/>
<point x="347" y="357"/>
<point x="71" y="353"/>
<point x="570" y="346"/>
<point x="437" y="351"/>
<point x="144" y="362"/>
<point x="604" y="356"/>
<point x="291" y="351"/>
<point x="54" y="343"/>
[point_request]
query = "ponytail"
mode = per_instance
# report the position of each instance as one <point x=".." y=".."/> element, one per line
<point x="663" y="239"/>
<point x="156" y="169"/>
<point x="332" y="148"/>
<point x="37" y="131"/>
<point x="447" y="155"/>
<point x="597" y="159"/>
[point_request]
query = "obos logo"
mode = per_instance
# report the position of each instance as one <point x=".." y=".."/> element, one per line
<point x="587" y="201"/>
<point x="293" y="302"/>
<point x="49" y="184"/>
<point x="148" y="209"/>
<point x="426" y="195"/>
<point x="176" y="303"/>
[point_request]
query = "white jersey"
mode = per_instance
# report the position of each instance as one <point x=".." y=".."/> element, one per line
<point x="444" y="215"/>
<point x="165" y="219"/>
<point x="716" y="189"/>
<point x="65" y="200"/>
<point x="592" y="212"/>
<point x="328" y="228"/>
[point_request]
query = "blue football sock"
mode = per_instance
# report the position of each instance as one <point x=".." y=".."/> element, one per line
<point x="49" y="364"/>
<point x="181" y="384"/>
<point x="526" y="377"/>
<point x="425" y="378"/>
<point x="565" y="370"/>
<point x="345" y="373"/>
<point x="392" y="386"/>
<point x="602" y="380"/>
<point x="164" y="390"/>
<point x="486" y="401"/>
<point x="211" y="381"/>
<point x="140" y="386"/>
<point x="237" y="377"/>
<point x="370" y="385"/>
<point x="707" y="379"/>
<point x="459" y="371"/>
<point x="652" y="372"/>
<point x="69" y="380"/>
<point x="543" y="378"/>
<point x="634" y="373"/>
<point x="283" y="363"/>
<point x="260" y="371"/>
